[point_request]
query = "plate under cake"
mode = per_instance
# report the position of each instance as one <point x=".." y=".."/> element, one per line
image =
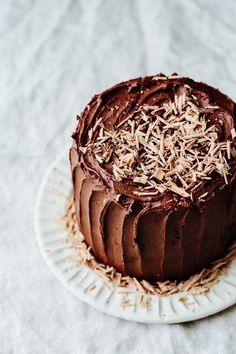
<point x="153" y="166"/>
<point x="126" y="298"/>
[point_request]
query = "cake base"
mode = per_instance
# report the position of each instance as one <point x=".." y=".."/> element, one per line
<point x="196" y="284"/>
<point x="121" y="297"/>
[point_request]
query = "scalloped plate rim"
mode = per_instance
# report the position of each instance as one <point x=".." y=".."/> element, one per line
<point x="152" y="316"/>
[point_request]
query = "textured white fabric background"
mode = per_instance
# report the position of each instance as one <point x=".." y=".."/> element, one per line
<point x="54" y="55"/>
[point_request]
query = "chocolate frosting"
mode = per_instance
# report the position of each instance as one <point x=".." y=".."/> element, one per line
<point x="163" y="236"/>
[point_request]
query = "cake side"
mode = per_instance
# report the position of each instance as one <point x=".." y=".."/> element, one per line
<point x="141" y="229"/>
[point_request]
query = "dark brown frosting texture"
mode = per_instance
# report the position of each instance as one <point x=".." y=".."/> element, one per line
<point x="163" y="236"/>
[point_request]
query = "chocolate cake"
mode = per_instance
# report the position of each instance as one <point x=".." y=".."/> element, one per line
<point x="153" y="167"/>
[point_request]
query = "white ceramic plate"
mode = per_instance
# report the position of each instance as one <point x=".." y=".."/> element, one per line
<point x="80" y="280"/>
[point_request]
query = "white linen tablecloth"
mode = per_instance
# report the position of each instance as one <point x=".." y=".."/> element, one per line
<point x="54" y="55"/>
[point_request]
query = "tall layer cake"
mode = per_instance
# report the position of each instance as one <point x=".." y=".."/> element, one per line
<point x="153" y="166"/>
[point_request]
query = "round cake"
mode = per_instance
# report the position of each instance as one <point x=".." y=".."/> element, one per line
<point x="153" y="168"/>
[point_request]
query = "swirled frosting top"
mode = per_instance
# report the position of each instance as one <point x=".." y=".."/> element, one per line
<point x="159" y="138"/>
